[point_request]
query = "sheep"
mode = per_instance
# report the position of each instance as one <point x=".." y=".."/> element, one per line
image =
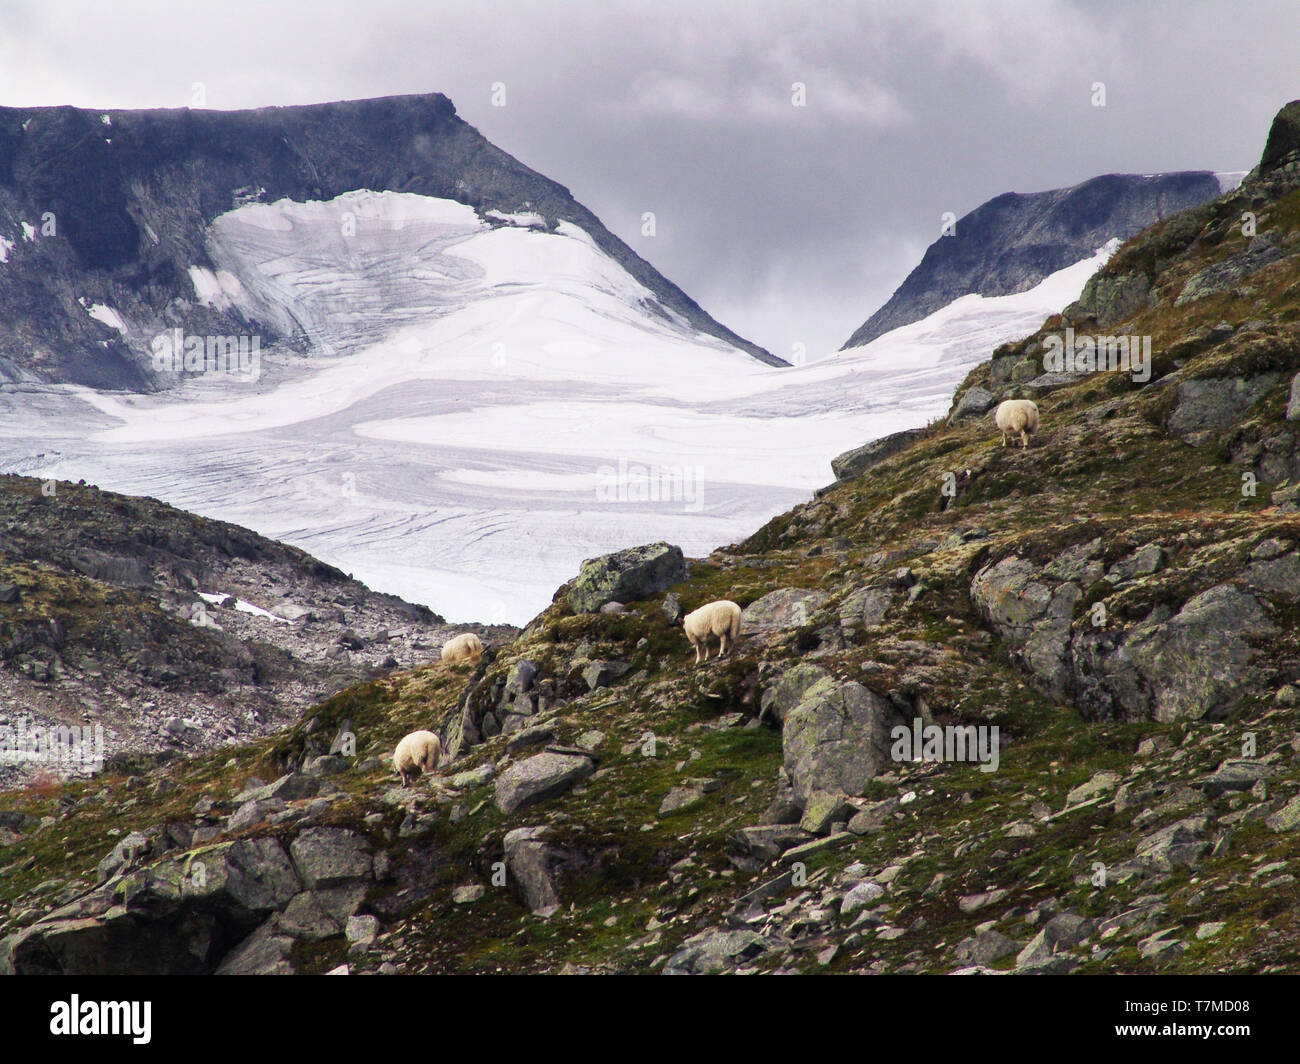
<point x="1017" y="416"/>
<point x="421" y="751"/>
<point x="720" y="618"/>
<point x="464" y="647"/>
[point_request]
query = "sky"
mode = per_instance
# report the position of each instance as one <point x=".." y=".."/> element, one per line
<point x="790" y="215"/>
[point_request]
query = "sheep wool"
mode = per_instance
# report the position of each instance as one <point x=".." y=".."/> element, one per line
<point x="720" y="619"/>
<point x="416" y="753"/>
<point x="1017" y="416"/>
<point x="464" y="647"/>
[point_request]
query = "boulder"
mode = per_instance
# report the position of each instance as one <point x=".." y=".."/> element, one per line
<point x="672" y="609"/>
<point x="603" y="673"/>
<point x="823" y="810"/>
<point x="1175" y="845"/>
<point x="680" y="798"/>
<point x="1292" y="402"/>
<point x="127" y="852"/>
<point x="865" y="607"/>
<point x="854" y="463"/>
<point x="1063" y="931"/>
<point x="767" y="842"/>
<point x="715" y="951"/>
<point x="539" y="778"/>
<point x="868" y="892"/>
<point x="331" y="857"/>
<point x="318" y="914"/>
<point x="1032" y="613"/>
<point x="252" y="875"/>
<point x="787" y="692"/>
<point x="781" y="610"/>
<point x="1193" y="665"/>
<point x="836" y="739"/>
<point x="1109" y="298"/>
<point x="974" y="402"/>
<point x="1287" y="818"/>
<point x="532" y="862"/>
<point x="1235" y="775"/>
<point x="985" y="948"/>
<point x="626" y="576"/>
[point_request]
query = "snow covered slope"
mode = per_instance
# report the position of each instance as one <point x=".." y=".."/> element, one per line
<point x="511" y="401"/>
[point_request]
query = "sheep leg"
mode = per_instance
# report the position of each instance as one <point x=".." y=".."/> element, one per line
<point x="722" y="644"/>
<point x="1024" y="439"/>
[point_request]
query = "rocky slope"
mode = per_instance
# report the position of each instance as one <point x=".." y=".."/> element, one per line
<point x="1013" y="241"/>
<point x="175" y="633"/>
<point x="112" y="209"/>
<point x="1120" y="601"/>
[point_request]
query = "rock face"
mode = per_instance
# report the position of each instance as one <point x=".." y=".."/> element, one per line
<point x="1283" y="136"/>
<point x="865" y="607"/>
<point x="133" y="197"/>
<point x="1012" y="242"/>
<point x="178" y="916"/>
<point x="1229" y="273"/>
<point x="836" y="739"/>
<point x="626" y="576"/>
<point x="1203" y="407"/>
<point x="1193" y="662"/>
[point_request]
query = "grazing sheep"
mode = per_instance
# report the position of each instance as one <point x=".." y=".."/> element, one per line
<point x="1017" y="416"/>
<point x="464" y="647"/>
<point x="721" y="619"/>
<point x="421" y="751"/>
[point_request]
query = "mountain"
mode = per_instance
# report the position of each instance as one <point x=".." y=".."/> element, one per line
<point x="1119" y="601"/>
<point x="173" y="633"/>
<point x="1015" y="240"/>
<point x="106" y="216"/>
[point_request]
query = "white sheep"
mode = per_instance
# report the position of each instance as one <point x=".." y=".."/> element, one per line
<point x="421" y="751"/>
<point x="1017" y="416"/>
<point x="464" y="647"/>
<point x="720" y="618"/>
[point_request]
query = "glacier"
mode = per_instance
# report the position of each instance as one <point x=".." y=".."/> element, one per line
<point x="483" y="400"/>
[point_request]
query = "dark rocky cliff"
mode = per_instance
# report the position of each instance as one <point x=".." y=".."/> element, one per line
<point x="1015" y="240"/>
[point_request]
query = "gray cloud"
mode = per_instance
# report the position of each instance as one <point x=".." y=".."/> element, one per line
<point x="790" y="224"/>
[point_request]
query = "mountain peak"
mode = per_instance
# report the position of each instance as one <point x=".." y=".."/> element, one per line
<point x="114" y="207"/>
<point x="1015" y="240"/>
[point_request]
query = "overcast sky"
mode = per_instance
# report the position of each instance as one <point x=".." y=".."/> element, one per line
<point x="789" y="224"/>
